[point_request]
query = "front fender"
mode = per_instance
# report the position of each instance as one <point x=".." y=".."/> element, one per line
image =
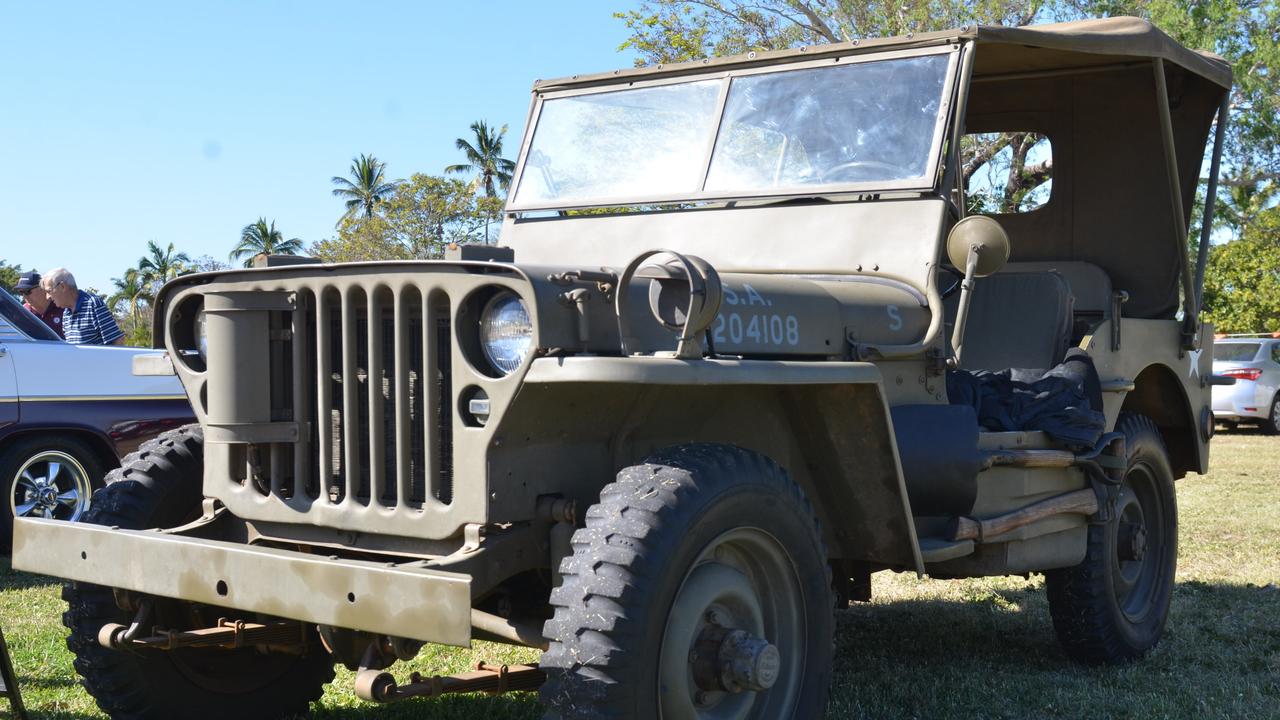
<point x="826" y="422"/>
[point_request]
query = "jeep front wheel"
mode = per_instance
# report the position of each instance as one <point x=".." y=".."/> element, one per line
<point x="1112" y="607"/>
<point x="699" y="588"/>
<point x="160" y="486"/>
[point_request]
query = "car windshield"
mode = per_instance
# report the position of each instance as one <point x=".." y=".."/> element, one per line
<point x="873" y="124"/>
<point x="1235" y="352"/>
<point x="21" y="318"/>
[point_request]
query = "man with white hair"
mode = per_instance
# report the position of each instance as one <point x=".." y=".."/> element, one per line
<point x="85" y="318"/>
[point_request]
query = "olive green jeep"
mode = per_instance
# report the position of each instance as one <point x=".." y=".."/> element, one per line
<point x="744" y="345"/>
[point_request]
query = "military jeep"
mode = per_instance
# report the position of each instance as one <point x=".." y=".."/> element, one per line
<point x="743" y="346"/>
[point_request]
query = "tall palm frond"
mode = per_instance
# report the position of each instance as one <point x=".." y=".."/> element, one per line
<point x="366" y="188"/>
<point x="160" y="266"/>
<point x="261" y="238"/>
<point x="484" y="158"/>
<point x="133" y="289"/>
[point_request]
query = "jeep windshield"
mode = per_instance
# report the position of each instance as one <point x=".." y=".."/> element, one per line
<point x="862" y="123"/>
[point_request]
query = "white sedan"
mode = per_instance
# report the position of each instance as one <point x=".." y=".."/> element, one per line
<point x="68" y="413"/>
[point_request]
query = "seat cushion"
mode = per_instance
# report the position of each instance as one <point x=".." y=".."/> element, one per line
<point x="1017" y="320"/>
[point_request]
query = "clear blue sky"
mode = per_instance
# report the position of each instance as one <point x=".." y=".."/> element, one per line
<point x="182" y="122"/>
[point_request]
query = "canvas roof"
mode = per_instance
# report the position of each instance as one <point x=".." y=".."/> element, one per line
<point x="1080" y="43"/>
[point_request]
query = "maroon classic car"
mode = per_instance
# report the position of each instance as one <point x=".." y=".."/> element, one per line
<point x="68" y="413"/>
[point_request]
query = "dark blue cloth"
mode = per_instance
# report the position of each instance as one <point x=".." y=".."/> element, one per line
<point x="1065" y="401"/>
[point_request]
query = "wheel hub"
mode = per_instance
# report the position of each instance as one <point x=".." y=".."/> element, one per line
<point x="734" y="661"/>
<point x="1132" y="541"/>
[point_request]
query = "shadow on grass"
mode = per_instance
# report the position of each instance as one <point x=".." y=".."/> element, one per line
<point x="997" y="655"/>
<point x="1242" y="429"/>
<point x="11" y="579"/>
<point x="515" y="706"/>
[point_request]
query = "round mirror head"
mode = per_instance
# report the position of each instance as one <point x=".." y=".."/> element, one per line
<point x="978" y="231"/>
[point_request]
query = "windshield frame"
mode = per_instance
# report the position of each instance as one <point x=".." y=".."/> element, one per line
<point x="927" y="182"/>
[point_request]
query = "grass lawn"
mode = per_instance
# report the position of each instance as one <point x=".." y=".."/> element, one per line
<point x="922" y="649"/>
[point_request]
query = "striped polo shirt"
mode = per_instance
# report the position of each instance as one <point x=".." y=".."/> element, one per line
<point x="91" y="323"/>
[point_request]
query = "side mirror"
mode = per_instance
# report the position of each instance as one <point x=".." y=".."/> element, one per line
<point x="982" y="235"/>
<point x="980" y="246"/>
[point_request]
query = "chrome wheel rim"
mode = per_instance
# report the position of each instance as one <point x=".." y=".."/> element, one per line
<point x="51" y="484"/>
<point x="735" y="638"/>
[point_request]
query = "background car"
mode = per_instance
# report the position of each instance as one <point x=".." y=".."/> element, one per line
<point x="68" y="413"/>
<point x="1254" y="361"/>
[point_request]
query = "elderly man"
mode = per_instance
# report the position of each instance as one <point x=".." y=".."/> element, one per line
<point x="85" y="318"/>
<point x="36" y="300"/>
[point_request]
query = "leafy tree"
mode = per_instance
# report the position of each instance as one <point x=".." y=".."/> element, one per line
<point x="1242" y="280"/>
<point x="423" y="216"/>
<point x="132" y="291"/>
<point x="159" y="266"/>
<point x="131" y="303"/>
<point x="9" y="275"/>
<point x="366" y="187"/>
<point x="207" y="263"/>
<point x="484" y="158"/>
<point x="260" y="238"/>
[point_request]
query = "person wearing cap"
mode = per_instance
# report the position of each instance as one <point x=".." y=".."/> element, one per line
<point x="85" y="318"/>
<point x="36" y="300"/>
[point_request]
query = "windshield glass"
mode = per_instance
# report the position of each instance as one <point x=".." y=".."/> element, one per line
<point x="1236" y="352"/>
<point x="871" y="124"/>
<point x="623" y="143"/>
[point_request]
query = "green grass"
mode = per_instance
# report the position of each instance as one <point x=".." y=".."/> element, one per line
<point x="922" y="649"/>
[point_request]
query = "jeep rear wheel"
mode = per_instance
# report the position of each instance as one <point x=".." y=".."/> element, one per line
<point x="1112" y="607"/>
<point x="699" y="588"/>
<point x="160" y="486"/>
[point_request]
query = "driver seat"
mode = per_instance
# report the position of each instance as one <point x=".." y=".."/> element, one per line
<point x="1016" y="320"/>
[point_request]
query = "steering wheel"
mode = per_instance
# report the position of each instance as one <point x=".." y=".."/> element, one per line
<point x="959" y="276"/>
<point x="836" y="173"/>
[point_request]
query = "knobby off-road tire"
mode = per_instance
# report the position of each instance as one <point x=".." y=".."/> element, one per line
<point x="160" y="486"/>
<point x="1111" y="608"/>
<point x="699" y="540"/>
<point x="46" y="475"/>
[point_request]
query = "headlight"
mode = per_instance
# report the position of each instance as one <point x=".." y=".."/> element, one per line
<point x="506" y="333"/>
<point x="202" y="337"/>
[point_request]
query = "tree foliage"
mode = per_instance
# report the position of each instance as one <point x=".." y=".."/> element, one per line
<point x="365" y="188"/>
<point x="1242" y="281"/>
<point x="484" y="158"/>
<point x="420" y="218"/>
<point x="261" y="238"/>
<point x="9" y="275"/>
<point x="159" y="266"/>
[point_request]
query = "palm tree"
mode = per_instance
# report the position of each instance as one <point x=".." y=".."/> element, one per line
<point x="259" y="238"/>
<point x="367" y="187"/>
<point x="133" y="289"/>
<point x="485" y="158"/>
<point x="160" y="266"/>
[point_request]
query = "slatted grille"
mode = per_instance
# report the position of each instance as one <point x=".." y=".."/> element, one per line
<point x="368" y="371"/>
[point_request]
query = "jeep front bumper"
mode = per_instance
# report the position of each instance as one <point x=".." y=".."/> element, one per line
<point x="389" y="599"/>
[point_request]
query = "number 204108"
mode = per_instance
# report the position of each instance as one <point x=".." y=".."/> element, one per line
<point x="758" y="328"/>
